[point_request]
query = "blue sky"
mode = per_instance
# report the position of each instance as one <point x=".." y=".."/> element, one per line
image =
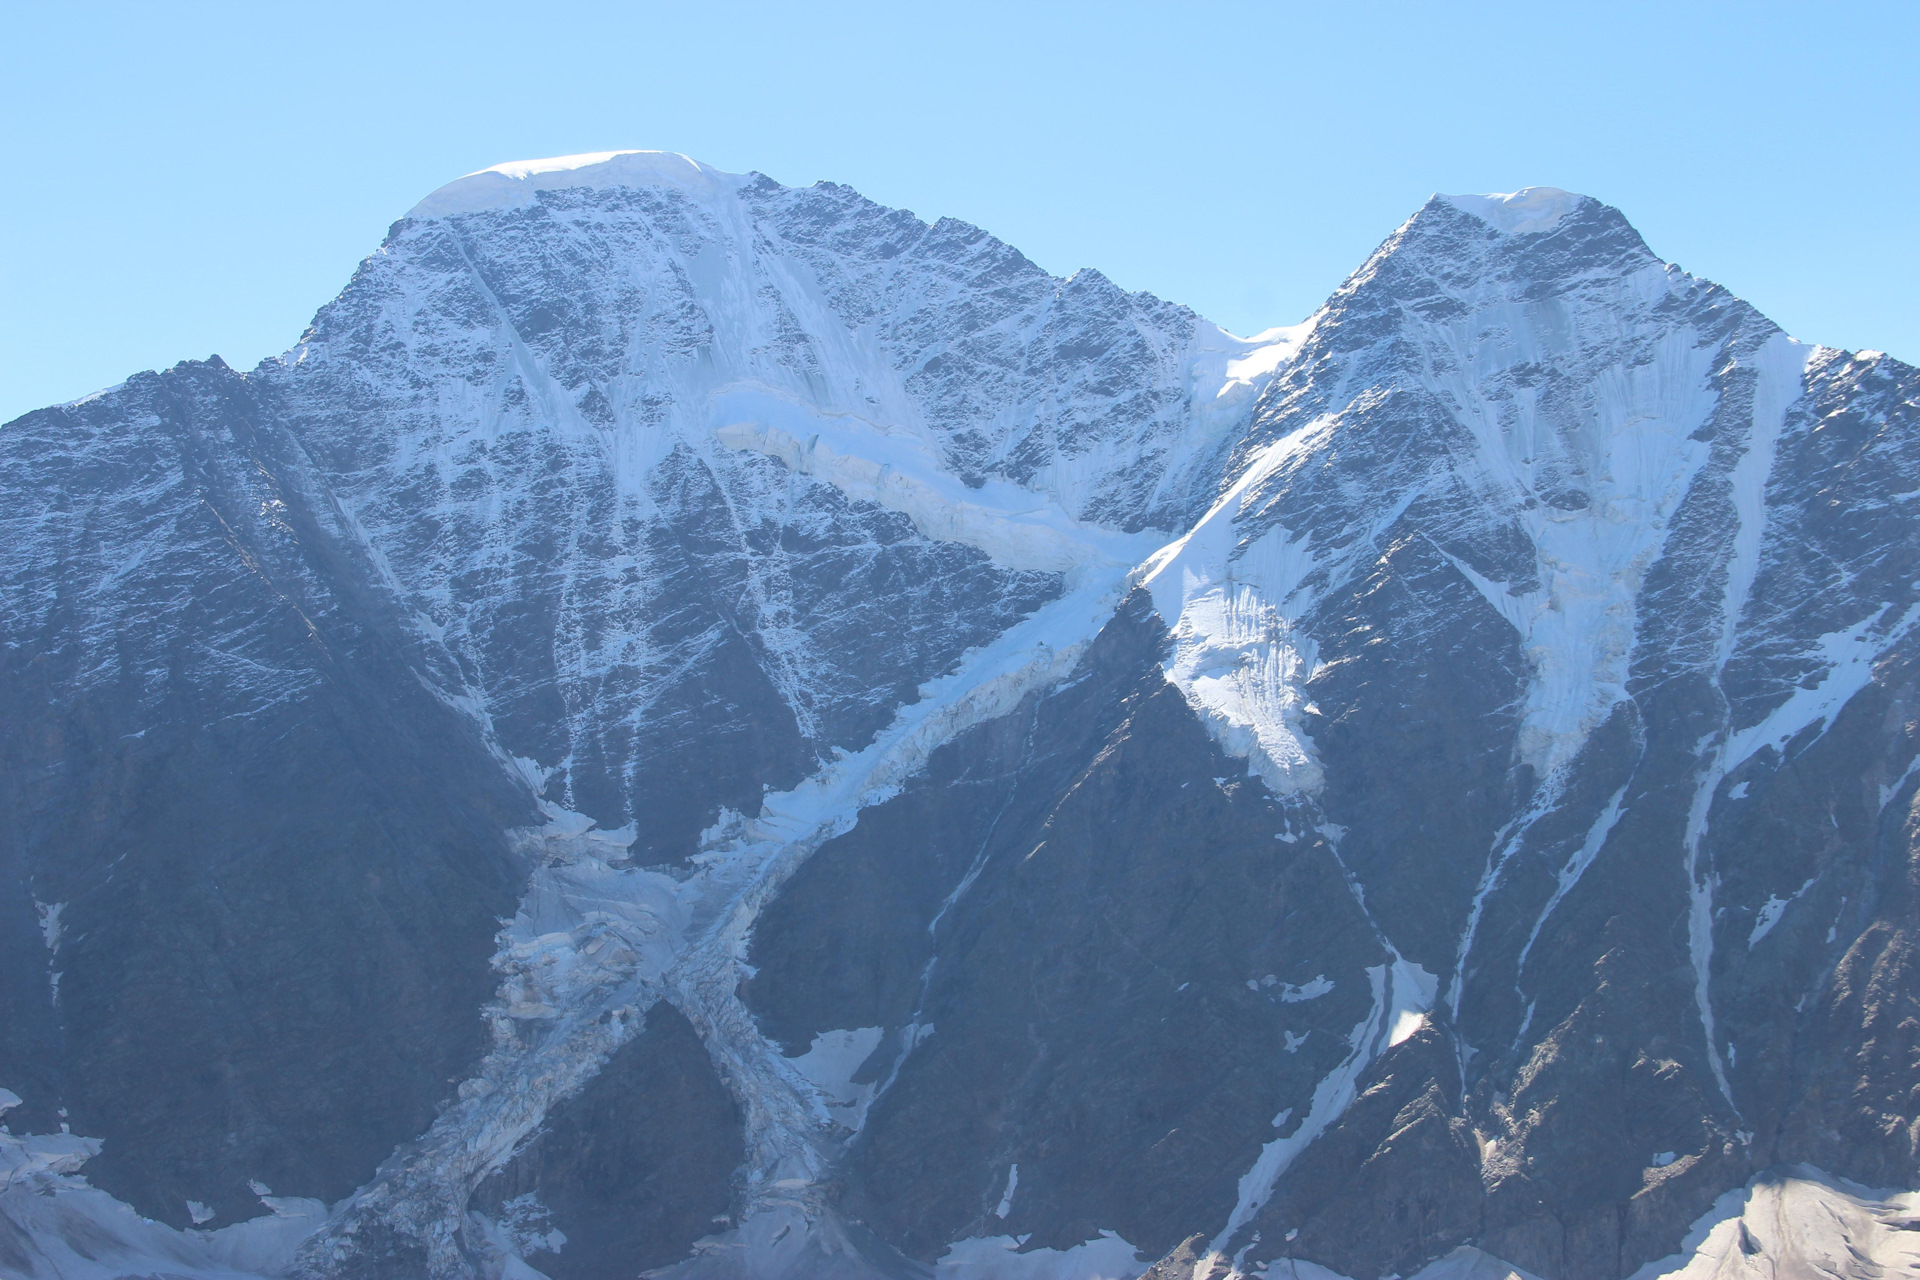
<point x="197" y="178"/>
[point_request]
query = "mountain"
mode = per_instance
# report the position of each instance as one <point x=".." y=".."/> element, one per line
<point x="709" y="728"/>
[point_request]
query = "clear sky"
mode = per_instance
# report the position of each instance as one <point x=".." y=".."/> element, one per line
<point x="185" y="178"/>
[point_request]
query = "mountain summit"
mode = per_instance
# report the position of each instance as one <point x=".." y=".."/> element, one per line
<point x="708" y="728"/>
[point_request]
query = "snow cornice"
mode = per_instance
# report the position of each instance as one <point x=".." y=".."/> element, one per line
<point x="1524" y="212"/>
<point x="514" y="185"/>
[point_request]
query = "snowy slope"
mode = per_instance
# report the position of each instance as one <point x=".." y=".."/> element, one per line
<point x="564" y="363"/>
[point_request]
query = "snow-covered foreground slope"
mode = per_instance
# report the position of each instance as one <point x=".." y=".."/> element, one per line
<point x="982" y="775"/>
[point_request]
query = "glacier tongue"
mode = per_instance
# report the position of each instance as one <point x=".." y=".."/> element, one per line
<point x="594" y="946"/>
<point x="1016" y="527"/>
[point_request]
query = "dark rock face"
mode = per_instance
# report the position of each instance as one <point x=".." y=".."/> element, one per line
<point x="631" y="1170"/>
<point x="268" y="862"/>
<point x="1405" y="1152"/>
<point x="1416" y="725"/>
<point x="664" y="718"/>
<point x="1108" y="1005"/>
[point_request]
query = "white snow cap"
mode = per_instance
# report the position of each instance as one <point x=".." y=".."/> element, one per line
<point x="512" y="185"/>
<point x="1522" y="212"/>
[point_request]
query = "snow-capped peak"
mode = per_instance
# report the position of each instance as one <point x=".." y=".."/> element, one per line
<point x="1523" y="212"/>
<point x="512" y="185"/>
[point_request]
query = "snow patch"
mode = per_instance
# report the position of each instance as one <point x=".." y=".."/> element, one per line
<point x="1414" y="990"/>
<point x="1266" y="354"/>
<point x="1106" y="1257"/>
<point x="1889" y="790"/>
<point x="526" y="1225"/>
<point x="49" y="913"/>
<point x="1849" y="655"/>
<point x="1637" y="462"/>
<point x="1006" y="1197"/>
<point x="1310" y="990"/>
<point x="1406" y="1025"/>
<point x="1331" y="1097"/>
<point x="40" y="1160"/>
<point x="72" y="1230"/>
<point x="1771" y="910"/>
<point x="829" y="1065"/>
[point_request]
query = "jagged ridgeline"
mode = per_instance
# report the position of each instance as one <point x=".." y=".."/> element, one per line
<point x="699" y="727"/>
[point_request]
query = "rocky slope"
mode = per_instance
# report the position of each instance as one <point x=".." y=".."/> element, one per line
<point x="705" y="726"/>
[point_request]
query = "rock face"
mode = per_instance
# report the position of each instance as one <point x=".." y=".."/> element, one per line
<point x="254" y="866"/>
<point x="698" y="725"/>
<point x="630" y="1171"/>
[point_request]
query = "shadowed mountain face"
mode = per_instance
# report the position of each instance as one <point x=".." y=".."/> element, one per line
<point x="698" y="725"/>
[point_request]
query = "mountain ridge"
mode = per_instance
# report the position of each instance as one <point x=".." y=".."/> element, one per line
<point x="735" y="523"/>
